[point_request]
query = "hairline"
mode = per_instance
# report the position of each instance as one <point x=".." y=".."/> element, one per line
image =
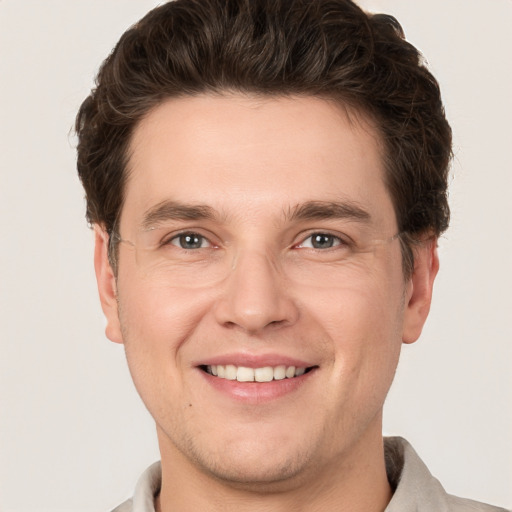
<point x="355" y="111"/>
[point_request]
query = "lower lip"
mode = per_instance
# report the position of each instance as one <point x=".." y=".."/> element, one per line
<point x="257" y="392"/>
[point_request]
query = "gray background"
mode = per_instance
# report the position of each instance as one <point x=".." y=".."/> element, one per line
<point x="74" y="435"/>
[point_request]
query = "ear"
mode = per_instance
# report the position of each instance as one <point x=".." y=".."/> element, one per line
<point x="107" y="287"/>
<point x="419" y="289"/>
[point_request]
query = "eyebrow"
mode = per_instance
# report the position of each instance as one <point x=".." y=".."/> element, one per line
<point x="310" y="210"/>
<point x="174" y="210"/>
<point x="317" y="210"/>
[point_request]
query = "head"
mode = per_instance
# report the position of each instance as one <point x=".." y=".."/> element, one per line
<point x="323" y="49"/>
<point x="267" y="180"/>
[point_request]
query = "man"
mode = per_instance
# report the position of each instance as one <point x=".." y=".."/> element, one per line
<point x="267" y="181"/>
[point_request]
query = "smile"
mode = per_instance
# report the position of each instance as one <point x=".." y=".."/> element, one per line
<point x="263" y="374"/>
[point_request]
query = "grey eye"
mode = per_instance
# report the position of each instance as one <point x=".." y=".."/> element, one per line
<point x="190" y="241"/>
<point x="321" y="241"/>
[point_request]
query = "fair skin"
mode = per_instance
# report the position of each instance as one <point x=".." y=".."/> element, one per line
<point x="291" y="260"/>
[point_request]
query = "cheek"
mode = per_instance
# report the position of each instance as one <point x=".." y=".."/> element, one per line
<point x="158" y="314"/>
<point x="360" y="299"/>
<point x="363" y="319"/>
<point x="156" y="320"/>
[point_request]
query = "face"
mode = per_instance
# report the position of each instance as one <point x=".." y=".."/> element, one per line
<point x="260" y="294"/>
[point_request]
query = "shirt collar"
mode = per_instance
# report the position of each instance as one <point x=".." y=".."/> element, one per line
<point x="147" y="488"/>
<point x="413" y="485"/>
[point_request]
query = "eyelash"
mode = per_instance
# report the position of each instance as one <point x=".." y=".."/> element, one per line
<point x="176" y="238"/>
<point x="337" y="241"/>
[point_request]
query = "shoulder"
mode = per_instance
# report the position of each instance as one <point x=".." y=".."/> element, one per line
<point x="416" y="489"/>
<point x="127" y="506"/>
<point x="456" y="504"/>
<point x="148" y="486"/>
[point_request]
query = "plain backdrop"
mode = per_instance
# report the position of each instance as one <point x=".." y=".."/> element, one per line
<point x="74" y="436"/>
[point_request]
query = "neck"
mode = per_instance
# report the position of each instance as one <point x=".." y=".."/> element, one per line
<point x="357" y="483"/>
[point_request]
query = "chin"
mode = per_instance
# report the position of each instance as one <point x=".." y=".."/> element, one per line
<point x="262" y="476"/>
<point x="256" y="464"/>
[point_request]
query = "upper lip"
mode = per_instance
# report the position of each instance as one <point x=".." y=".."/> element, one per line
<point x="255" y="360"/>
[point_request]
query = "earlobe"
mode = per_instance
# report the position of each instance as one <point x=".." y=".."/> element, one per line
<point x="419" y="289"/>
<point x="106" y="281"/>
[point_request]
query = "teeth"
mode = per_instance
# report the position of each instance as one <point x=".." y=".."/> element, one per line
<point x="264" y="374"/>
<point x="279" y="372"/>
<point x="245" y="374"/>
<point x="230" y="372"/>
<point x="290" y="372"/>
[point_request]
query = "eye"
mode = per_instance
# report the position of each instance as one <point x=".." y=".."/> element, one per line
<point x="190" y="241"/>
<point x="321" y="241"/>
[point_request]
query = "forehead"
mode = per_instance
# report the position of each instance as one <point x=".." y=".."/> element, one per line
<point x="241" y="154"/>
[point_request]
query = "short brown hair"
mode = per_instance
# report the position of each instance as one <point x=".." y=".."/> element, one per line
<point x="324" y="48"/>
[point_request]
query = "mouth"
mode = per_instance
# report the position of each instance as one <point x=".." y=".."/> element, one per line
<point x="263" y="374"/>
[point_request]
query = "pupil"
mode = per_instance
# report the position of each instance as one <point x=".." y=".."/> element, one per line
<point x="322" y="241"/>
<point x="190" y="241"/>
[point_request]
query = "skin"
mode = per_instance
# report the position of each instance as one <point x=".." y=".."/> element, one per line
<point x="257" y="288"/>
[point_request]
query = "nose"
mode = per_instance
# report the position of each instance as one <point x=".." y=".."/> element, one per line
<point x="255" y="296"/>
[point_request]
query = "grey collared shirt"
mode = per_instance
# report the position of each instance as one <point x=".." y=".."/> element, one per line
<point x="415" y="489"/>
